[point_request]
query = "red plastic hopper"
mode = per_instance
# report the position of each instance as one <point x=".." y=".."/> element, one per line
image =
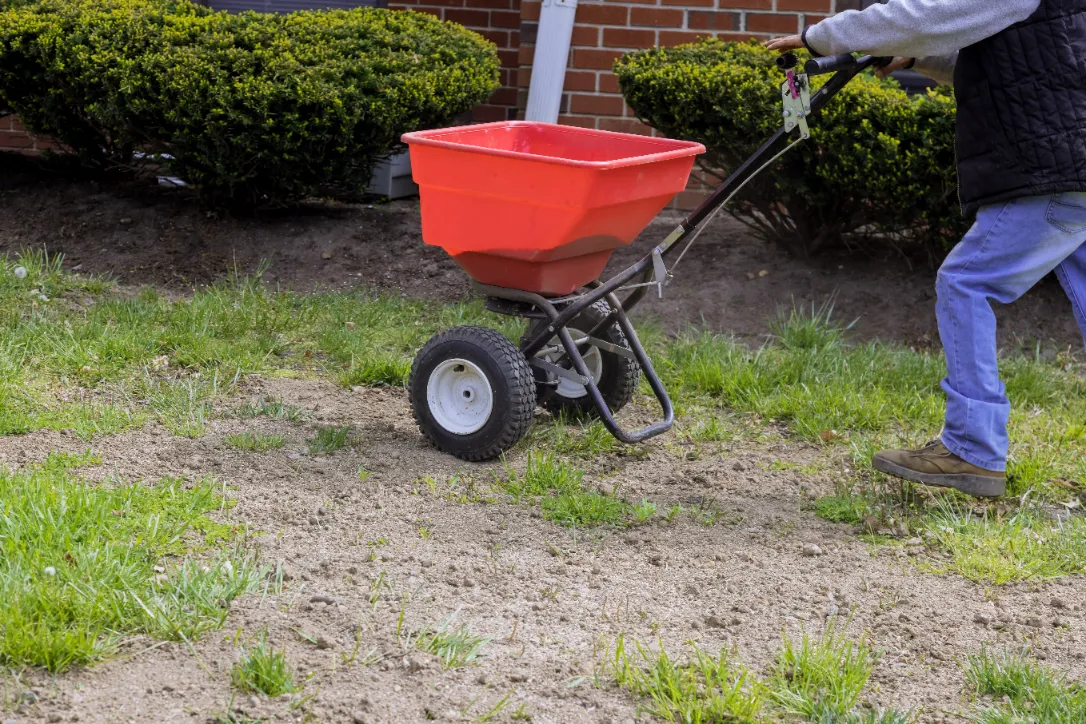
<point x="540" y="207"/>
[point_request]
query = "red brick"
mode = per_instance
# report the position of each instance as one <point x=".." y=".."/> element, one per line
<point x="817" y="6"/>
<point x="580" y="80"/>
<point x="581" y="121"/>
<point x="15" y="140"/>
<point x="656" y="17"/>
<point x="469" y="18"/>
<point x="526" y="54"/>
<point x="500" y="38"/>
<point x="627" y="38"/>
<point x="489" y="114"/>
<point x="491" y="4"/>
<point x="585" y="36"/>
<point x="709" y="20"/>
<point x="766" y="23"/>
<point x="741" y="37"/>
<point x="597" y="105"/>
<point x="602" y="14"/>
<point x="809" y="19"/>
<point x="524" y="77"/>
<point x="503" y="97"/>
<point x="609" y="83"/>
<point x="443" y="3"/>
<point x="511" y="58"/>
<point x="505" y="19"/>
<point x="746" y="4"/>
<point x="529" y="9"/>
<point x="681" y="37"/>
<point x="625" y="125"/>
<point x="692" y="3"/>
<point x="593" y="59"/>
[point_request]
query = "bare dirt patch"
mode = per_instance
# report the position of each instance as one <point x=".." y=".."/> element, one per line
<point x="142" y="236"/>
<point x="357" y="552"/>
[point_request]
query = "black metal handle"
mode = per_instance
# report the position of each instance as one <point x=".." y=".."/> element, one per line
<point x="829" y="64"/>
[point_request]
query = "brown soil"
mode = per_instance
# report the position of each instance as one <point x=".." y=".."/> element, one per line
<point x="161" y="238"/>
<point x="549" y="597"/>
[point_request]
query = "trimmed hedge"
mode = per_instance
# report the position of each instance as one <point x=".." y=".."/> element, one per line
<point x="253" y="108"/>
<point x="879" y="163"/>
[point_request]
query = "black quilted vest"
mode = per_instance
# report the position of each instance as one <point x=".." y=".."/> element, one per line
<point x="1022" y="108"/>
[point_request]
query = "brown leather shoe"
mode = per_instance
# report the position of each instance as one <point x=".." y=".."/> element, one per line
<point x="933" y="464"/>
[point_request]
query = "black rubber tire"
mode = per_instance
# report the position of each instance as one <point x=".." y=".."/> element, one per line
<point x="511" y="382"/>
<point x="618" y="380"/>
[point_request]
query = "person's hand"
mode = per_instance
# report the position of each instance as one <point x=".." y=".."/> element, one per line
<point x="896" y="64"/>
<point x="788" y="42"/>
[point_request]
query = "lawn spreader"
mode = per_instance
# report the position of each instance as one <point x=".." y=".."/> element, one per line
<point x="533" y="212"/>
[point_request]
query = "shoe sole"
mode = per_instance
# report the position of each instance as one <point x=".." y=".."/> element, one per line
<point x="981" y="486"/>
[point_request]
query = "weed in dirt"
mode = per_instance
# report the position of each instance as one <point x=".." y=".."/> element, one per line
<point x="704" y="689"/>
<point x="329" y="439"/>
<point x="1024" y="545"/>
<point x="262" y="670"/>
<point x="275" y="409"/>
<point x="79" y="564"/>
<point x="821" y="680"/>
<point x="1025" y="690"/>
<point x="582" y="508"/>
<point x="563" y="499"/>
<point x="183" y="405"/>
<point x="255" y="442"/>
<point x="456" y="646"/>
<point x="643" y="512"/>
<point x="841" y="508"/>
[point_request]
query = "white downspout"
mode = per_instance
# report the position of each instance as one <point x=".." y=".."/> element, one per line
<point x="549" y="64"/>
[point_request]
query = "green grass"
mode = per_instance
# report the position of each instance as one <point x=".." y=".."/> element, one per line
<point x="1023" y="691"/>
<point x="83" y="565"/>
<point x="275" y="409"/>
<point x="841" y="508"/>
<point x="559" y="487"/>
<point x="329" y="439"/>
<point x="255" y="442"/>
<point x="815" y="680"/>
<point x="876" y="395"/>
<point x="455" y="646"/>
<point x="1025" y="545"/>
<point x="263" y="670"/>
<point x="704" y="689"/>
<point x="821" y="679"/>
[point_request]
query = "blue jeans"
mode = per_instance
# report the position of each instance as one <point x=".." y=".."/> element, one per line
<point x="1010" y="248"/>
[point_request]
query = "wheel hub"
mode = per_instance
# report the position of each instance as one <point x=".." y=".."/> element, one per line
<point x="459" y="396"/>
<point x="592" y="357"/>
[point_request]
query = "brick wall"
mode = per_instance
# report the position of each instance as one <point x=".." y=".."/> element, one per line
<point x="605" y="31"/>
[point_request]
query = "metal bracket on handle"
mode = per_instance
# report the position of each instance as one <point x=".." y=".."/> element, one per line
<point x="796" y="93"/>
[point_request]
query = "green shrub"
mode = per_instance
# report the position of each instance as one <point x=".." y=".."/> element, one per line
<point x="879" y="163"/>
<point x="253" y="108"/>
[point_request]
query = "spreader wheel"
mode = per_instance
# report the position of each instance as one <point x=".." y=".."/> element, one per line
<point x="616" y="376"/>
<point x="472" y="393"/>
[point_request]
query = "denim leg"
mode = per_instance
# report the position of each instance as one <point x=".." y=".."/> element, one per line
<point x="1072" y="275"/>
<point x="1010" y="248"/>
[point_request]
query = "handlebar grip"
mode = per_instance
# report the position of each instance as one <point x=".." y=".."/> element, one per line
<point x="829" y="64"/>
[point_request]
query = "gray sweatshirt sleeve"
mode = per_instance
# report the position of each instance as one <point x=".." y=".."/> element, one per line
<point x="916" y="28"/>
<point x="940" y="68"/>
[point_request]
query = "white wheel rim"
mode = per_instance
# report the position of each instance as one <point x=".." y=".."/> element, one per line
<point x="459" y="396"/>
<point x="593" y="360"/>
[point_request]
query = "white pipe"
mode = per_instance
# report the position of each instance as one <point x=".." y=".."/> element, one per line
<point x="549" y="64"/>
